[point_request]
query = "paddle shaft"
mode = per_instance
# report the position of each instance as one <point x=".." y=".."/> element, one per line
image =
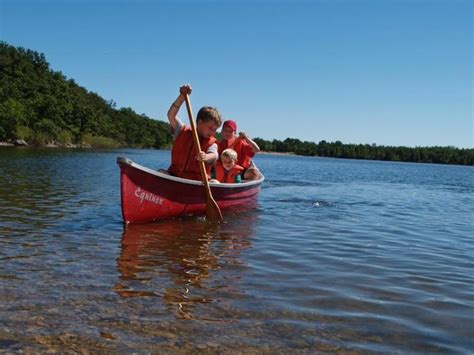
<point x="213" y="211"/>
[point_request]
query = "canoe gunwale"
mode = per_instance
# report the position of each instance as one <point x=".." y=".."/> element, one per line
<point x="126" y="161"/>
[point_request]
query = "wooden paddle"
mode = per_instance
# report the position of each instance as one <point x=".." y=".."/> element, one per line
<point x="213" y="212"/>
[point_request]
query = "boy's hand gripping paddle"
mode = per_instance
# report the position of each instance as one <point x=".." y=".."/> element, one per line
<point x="213" y="212"/>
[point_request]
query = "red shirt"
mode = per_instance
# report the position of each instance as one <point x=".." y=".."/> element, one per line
<point x="244" y="151"/>
<point x="183" y="155"/>
<point x="227" y="176"/>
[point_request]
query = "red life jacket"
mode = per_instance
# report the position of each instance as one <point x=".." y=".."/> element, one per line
<point x="244" y="151"/>
<point x="183" y="155"/>
<point x="227" y="176"/>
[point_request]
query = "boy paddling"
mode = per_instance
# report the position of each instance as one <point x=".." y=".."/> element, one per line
<point x="184" y="155"/>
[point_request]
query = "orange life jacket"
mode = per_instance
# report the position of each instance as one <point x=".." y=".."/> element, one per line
<point x="183" y="155"/>
<point x="243" y="149"/>
<point x="227" y="176"/>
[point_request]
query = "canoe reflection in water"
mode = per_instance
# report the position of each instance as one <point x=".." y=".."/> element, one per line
<point x="185" y="262"/>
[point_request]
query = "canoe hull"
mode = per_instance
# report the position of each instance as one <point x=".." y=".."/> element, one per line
<point x="148" y="195"/>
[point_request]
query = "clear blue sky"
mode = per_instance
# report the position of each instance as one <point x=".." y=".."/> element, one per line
<point x="390" y="72"/>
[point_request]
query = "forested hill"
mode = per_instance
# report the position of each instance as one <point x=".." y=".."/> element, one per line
<point x="42" y="106"/>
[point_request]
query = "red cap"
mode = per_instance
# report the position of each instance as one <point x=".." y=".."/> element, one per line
<point x="231" y="124"/>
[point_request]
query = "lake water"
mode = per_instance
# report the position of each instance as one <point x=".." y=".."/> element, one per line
<point x="340" y="256"/>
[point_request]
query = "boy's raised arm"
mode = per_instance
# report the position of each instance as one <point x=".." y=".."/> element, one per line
<point x="174" y="108"/>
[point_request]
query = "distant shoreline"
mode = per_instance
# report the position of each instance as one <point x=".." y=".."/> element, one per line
<point x="12" y="145"/>
<point x="50" y="145"/>
<point x="275" y="153"/>
<point x="4" y="144"/>
<point x="78" y="146"/>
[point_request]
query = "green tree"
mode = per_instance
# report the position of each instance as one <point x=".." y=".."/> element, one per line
<point x="12" y="115"/>
<point x="34" y="97"/>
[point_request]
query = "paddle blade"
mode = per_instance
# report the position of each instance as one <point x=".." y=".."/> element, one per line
<point x="213" y="212"/>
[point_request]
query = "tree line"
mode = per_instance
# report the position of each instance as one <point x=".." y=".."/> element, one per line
<point x="439" y="155"/>
<point x="42" y="106"/>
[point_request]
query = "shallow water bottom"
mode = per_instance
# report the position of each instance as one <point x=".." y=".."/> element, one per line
<point x="340" y="256"/>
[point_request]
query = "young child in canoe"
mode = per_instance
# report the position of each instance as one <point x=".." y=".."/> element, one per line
<point x="184" y="155"/>
<point x="226" y="169"/>
<point x="245" y="147"/>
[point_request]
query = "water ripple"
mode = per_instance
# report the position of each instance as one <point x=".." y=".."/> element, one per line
<point x="341" y="256"/>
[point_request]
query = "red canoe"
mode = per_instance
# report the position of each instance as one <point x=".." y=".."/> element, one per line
<point x="148" y="195"/>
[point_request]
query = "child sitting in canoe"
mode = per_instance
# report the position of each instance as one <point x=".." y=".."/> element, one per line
<point x="184" y="155"/>
<point x="245" y="147"/>
<point x="226" y="169"/>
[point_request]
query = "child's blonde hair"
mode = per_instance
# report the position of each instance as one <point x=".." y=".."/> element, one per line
<point x="229" y="153"/>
